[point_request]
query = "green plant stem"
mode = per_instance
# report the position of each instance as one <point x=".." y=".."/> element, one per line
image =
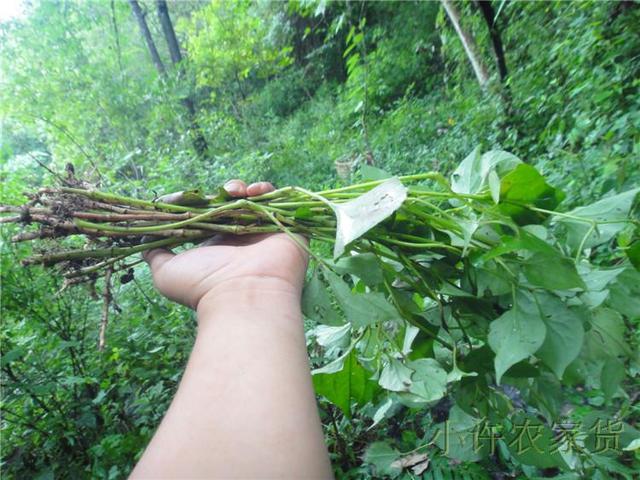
<point x="375" y="183"/>
<point x="420" y="245"/>
<point x="121" y="200"/>
<point x="155" y="228"/>
<point x="94" y="268"/>
<point x="51" y="258"/>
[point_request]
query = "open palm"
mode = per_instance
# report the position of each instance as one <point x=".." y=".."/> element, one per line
<point x="232" y="262"/>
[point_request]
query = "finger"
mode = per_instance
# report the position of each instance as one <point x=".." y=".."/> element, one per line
<point x="157" y="257"/>
<point x="236" y="188"/>
<point x="259" y="188"/>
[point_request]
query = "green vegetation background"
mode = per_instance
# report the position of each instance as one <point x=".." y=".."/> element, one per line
<point x="280" y="91"/>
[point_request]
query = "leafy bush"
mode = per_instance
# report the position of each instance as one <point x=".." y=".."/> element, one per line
<point x="68" y="410"/>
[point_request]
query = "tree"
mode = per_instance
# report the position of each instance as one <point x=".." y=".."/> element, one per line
<point x="468" y="42"/>
<point x="146" y="34"/>
<point x="169" y="32"/>
<point x="230" y="44"/>
<point x="494" y="32"/>
<point x="199" y="142"/>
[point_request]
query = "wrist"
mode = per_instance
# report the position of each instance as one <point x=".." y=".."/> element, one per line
<point x="251" y="295"/>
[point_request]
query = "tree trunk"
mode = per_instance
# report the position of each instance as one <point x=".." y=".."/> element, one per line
<point x="199" y="142"/>
<point x="169" y="32"/>
<point x="146" y="34"/>
<point x="489" y="16"/>
<point x="468" y="43"/>
<point x="505" y="92"/>
<point x="116" y="34"/>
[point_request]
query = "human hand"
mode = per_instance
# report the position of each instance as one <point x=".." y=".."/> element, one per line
<point x="235" y="265"/>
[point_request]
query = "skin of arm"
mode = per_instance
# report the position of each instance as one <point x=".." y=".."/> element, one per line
<point x="245" y="407"/>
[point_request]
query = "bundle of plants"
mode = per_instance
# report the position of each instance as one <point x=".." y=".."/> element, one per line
<point x="387" y="216"/>
<point x="436" y="286"/>
<point x="393" y="218"/>
<point x="114" y="227"/>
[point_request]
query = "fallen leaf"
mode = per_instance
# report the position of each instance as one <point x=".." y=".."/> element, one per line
<point x="419" y="462"/>
<point x="421" y="467"/>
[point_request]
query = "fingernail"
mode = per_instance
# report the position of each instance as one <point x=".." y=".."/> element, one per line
<point x="258" y="188"/>
<point x="233" y="187"/>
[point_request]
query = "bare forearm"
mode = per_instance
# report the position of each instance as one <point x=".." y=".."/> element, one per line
<point x="245" y="407"/>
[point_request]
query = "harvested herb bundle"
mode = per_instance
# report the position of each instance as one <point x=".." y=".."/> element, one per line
<point x="117" y="226"/>
<point x="489" y="196"/>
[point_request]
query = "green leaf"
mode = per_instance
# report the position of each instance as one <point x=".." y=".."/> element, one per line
<point x="456" y="437"/>
<point x="333" y="336"/>
<point x="221" y="196"/>
<point x="634" y="445"/>
<point x="316" y="302"/>
<point x="12" y="356"/>
<point x="351" y="384"/>
<point x="468" y="228"/>
<point x="475" y="171"/>
<point x="86" y="419"/>
<point x="381" y="456"/>
<point x="613" y="210"/>
<point x="395" y="376"/>
<point x="524" y="242"/>
<point x="565" y="334"/>
<point x="624" y="294"/>
<point x="356" y="217"/>
<point x="335" y="365"/>
<point x="633" y="254"/>
<point x="492" y="280"/>
<point x="192" y="198"/>
<point x="494" y="186"/>
<point x="365" y="266"/>
<point x="101" y="395"/>
<point x="360" y="309"/>
<point x="548" y="395"/>
<point x="515" y="335"/>
<point x="597" y="279"/>
<point x="553" y="272"/>
<point x="531" y="442"/>
<point x="381" y="412"/>
<point x="522" y="369"/>
<point x="453" y="291"/>
<point x="597" y="426"/>
<point x="611" y="466"/>
<point x="303" y="213"/>
<point x="525" y="186"/>
<point x="410" y="334"/>
<point x="455" y="375"/>
<point x="370" y="172"/>
<point x="606" y="338"/>
<point x="429" y="380"/>
<point x="460" y="420"/>
<point x="612" y="375"/>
